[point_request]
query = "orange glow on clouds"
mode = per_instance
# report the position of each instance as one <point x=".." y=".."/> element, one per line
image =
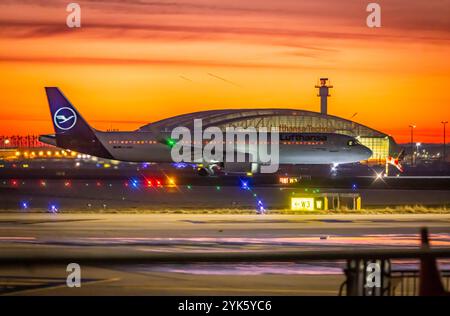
<point x="134" y="62"/>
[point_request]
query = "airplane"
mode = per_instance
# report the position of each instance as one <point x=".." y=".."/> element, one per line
<point x="396" y="162"/>
<point x="72" y="132"/>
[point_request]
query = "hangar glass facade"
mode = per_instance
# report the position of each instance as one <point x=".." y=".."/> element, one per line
<point x="285" y="120"/>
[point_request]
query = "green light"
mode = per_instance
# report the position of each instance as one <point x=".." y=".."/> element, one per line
<point x="170" y="142"/>
<point x="189" y="187"/>
<point x="218" y="188"/>
<point x="254" y="194"/>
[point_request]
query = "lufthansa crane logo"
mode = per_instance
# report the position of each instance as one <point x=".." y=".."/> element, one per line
<point x="65" y="118"/>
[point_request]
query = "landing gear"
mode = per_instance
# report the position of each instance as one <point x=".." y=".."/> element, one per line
<point x="334" y="168"/>
<point x="209" y="170"/>
<point x="203" y="172"/>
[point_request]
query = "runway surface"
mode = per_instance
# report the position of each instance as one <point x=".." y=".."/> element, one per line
<point x="120" y="195"/>
<point x="78" y="234"/>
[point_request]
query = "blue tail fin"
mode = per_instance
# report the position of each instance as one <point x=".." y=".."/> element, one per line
<point x="66" y="119"/>
<point x="72" y="131"/>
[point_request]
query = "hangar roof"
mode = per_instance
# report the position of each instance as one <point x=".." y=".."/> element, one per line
<point x="282" y="118"/>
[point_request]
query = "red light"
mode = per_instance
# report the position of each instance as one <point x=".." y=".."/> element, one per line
<point x="43" y="183"/>
<point x="14" y="182"/>
<point x="126" y="184"/>
<point x="158" y="183"/>
<point x="149" y="183"/>
<point x="99" y="184"/>
<point x="67" y="184"/>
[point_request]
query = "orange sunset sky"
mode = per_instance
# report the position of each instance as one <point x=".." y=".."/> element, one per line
<point x="137" y="61"/>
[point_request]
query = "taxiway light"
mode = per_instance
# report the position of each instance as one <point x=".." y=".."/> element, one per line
<point x="260" y="207"/>
<point x="135" y="184"/>
<point x="53" y="208"/>
<point x="244" y="185"/>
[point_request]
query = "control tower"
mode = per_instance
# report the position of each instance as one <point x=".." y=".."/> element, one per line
<point x="323" y="94"/>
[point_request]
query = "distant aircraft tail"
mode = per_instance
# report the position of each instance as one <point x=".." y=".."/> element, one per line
<point x="396" y="162"/>
<point x="71" y="130"/>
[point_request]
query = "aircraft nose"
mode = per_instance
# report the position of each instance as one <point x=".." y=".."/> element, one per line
<point x="366" y="153"/>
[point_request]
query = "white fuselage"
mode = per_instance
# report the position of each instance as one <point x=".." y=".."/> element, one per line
<point x="294" y="148"/>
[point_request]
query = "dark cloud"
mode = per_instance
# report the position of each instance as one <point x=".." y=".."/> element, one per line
<point x="136" y="61"/>
<point x="33" y="29"/>
<point x="327" y="18"/>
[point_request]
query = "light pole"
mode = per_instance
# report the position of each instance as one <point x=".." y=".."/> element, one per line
<point x="418" y="150"/>
<point x="445" y="144"/>
<point x="412" y="127"/>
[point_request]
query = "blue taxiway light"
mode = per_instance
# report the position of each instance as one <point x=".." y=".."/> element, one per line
<point x="260" y="207"/>
<point x="180" y="165"/>
<point x="53" y="208"/>
<point x="244" y="185"/>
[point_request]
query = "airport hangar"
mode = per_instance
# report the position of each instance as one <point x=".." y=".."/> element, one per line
<point x="286" y="120"/>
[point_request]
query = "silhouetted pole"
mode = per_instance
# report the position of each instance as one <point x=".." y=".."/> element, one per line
<point x="445" y="143"/>
<point x="412" y="127"/>
<point x="430" y="283"/>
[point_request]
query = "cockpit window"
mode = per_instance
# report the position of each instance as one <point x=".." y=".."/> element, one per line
<point x="350" y="143"/>
<point x="353" y="142"/>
